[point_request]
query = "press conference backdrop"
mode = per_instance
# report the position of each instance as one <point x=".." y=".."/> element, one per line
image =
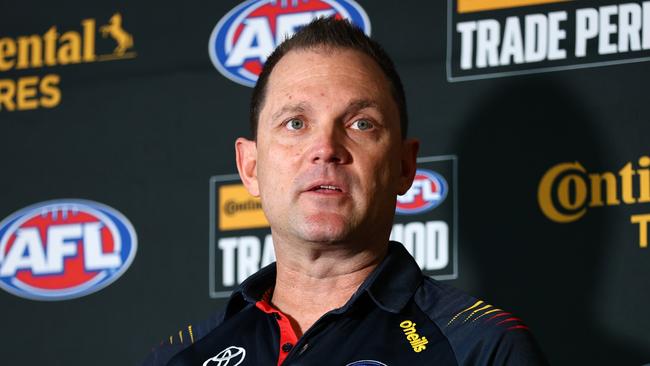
<point x="123" y="221"/>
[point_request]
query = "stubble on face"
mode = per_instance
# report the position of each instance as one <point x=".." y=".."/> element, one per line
<point x="329" y="180"/>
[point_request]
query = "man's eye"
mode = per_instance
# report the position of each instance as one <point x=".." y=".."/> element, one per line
<point x="295" y="124"/>
<point x="362" y="124"/>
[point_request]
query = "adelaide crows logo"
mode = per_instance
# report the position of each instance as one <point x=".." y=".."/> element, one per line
<point x="366" y="363"/>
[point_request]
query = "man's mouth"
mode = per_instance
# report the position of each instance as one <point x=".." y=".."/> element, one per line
<point x="326" y="188"/>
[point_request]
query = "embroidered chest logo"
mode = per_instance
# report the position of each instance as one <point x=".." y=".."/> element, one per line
<point x="231" y="356"/>
<point x="366" y="363"/>
<point x="418" y="343"/>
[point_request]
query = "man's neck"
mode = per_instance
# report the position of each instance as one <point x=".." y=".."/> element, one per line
<point x="314" y="279"/>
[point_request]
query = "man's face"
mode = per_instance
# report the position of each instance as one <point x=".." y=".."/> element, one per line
<point x="329" y="159"/>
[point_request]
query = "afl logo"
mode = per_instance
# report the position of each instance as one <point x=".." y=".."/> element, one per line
<point x="64" y="249"/>
<point x="429" y="190"/>
<point x="246" y="36"/>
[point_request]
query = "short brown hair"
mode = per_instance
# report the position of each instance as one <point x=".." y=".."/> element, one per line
<point x="330" y="32"/>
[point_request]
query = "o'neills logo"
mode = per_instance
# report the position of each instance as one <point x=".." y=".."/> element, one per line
<point x="417" y="343"/>
<point x="567" y="191"/>
<point x="56" y="47"/>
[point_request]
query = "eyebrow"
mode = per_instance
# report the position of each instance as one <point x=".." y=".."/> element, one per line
<point x="301" y="107"/>
<point x="359" y="104"/>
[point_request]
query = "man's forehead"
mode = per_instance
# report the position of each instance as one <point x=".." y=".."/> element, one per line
<point x="306" y="106"/>
<point x="339" y="72"/>
<point x="326" y="62"/>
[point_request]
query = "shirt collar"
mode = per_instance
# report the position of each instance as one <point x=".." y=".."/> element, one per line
<point x="390" y="286"/>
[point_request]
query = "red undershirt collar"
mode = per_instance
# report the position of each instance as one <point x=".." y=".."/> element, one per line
<point x="288" y="336"/>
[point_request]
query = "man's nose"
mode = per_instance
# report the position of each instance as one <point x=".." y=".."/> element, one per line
<point x="329" y="147"/>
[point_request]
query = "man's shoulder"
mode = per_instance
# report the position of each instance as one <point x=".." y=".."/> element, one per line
<point x="478" y="332"/>
<point x="447" y="305"/>
<point x="179" y="341"/>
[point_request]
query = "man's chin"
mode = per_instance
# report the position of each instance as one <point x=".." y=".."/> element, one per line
<point x="325" y="228"/>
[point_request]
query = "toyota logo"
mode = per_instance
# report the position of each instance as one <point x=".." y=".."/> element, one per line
<point x="224" y="358"/>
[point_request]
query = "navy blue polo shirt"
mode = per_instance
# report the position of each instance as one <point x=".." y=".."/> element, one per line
<point x="398" y="316"/>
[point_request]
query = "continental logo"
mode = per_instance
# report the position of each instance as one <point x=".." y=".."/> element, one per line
<point x="497" y="38"/>
<point x="417" y="342"/>
<point x="488" y="314"/>
<point x="56" y="47"/>
<point x="567" y="191"/>
<point x="239" y="210"/>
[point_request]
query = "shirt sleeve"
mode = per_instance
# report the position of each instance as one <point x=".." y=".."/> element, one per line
<point x="514" y="347"/>
<point x="161" y="355"/>
<point x="177" y="342"/>
<point x="480" y="334"/>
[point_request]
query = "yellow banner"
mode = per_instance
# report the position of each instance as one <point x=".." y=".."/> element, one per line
<point x="468" y="6"/>
<point x="239" y="210"/>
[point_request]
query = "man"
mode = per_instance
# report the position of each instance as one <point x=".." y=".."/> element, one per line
<point x="328" y="157"/>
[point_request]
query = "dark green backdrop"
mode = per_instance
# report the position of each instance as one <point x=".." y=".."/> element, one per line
<point x="145" y="133"/>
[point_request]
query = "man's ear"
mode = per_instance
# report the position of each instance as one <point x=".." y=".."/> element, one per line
<point x="246" y="156"/>
<point x="410" y="149"/>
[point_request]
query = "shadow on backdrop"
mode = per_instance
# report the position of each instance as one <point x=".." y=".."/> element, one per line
<point x="543" y="271"/>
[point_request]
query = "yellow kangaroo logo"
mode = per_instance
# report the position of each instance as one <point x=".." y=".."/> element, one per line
<point x="114" y="29"/>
